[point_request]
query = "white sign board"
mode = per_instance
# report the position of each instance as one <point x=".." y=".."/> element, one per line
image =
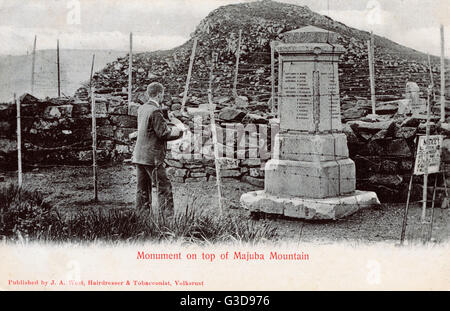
<point x="432" y="151"/>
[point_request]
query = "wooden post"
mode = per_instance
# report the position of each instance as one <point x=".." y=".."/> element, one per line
<point x="371" y="73"/>
<point x="372" y="45"/>
<point x="431" y="70"/>
<point x="130" y="68"/>
<point x="431" y="76"/>
<point x="33" y="62"/>
<point x="405" y="216"/>
<point x="372" y="49"/>
<point x="19" y="143"/>
<point x="94" y="131"/>
<point x="425" y="176"/>
<point x="272" y="73"/>
<point x="442" y="76"/>
<point x="214" y="133"/>
<point x="57" y="62"/>
<point x="188" y="79"/>
<point x="444" y="203"/>
<point x="238" y="54"/>
<point x="92" y="70"/>
<point x="430" y="233"/>
<point x="94" y="142"/>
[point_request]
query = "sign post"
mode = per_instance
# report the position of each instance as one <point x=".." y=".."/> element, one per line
<point x="428" y="161"/>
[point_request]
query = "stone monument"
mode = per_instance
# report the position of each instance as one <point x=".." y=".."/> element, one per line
<point x="310" y="175"/>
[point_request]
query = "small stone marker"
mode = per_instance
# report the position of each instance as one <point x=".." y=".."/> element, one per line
<point x="310" y="174"/>
<point x="412" y="92"/>
<point x="404" y="106"/>
<point x="58" y="111"/>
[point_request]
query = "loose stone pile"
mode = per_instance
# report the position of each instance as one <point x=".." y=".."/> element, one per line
<point x="384" y="154"/>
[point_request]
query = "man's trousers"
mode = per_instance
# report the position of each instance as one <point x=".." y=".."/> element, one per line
<point x="145" y="176"/>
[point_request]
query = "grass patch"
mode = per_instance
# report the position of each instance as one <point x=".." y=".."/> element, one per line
<point x="27" y="216"/>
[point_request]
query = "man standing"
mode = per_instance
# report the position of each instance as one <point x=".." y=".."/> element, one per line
<point x="150" y="152"/>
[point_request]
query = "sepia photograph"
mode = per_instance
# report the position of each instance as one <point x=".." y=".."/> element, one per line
<point x="187" y="145"/>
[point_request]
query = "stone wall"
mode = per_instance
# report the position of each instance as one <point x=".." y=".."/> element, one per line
<point x="58" y="132"/>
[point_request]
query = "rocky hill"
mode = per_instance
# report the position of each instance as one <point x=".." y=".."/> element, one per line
<point x="260" y="23"/>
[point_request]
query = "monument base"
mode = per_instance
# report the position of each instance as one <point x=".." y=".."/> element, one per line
<point x="305" y="208"/>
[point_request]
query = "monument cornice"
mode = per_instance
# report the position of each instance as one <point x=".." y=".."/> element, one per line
<point x="309" y="48"/>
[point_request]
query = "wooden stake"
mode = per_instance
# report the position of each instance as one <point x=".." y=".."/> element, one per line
<point x="19" y="143"/>
<point x="238" y="54"/>
<point x="425" y="176"/>
<point x="445" y="201"/>
<point x="57" y="62"/>
<point x="214" y="133"/>
<point x="372" y="45"/>
<point x="371" y="73"/>
<point x="92" y="71"/>
<point x="188" y="79"/>
<point x="431" y="70"/>
<point x="130" y="69"/>
<point x="430" y="233"/>
<point x="33" y="64"/>
<point x="405" y="215"/>
<point x="272" y="73"/>
<point x="431" y="76"/>
<point x="94" y="131"/>
<point x="94" y="142"/>
<point x="442" y="76"/>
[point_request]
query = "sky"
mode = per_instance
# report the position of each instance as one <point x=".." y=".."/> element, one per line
<point x="163" y="24"/>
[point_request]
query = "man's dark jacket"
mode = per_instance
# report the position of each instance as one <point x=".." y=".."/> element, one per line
<point x="153" y="134"/>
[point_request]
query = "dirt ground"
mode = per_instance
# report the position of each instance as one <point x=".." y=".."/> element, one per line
<point x="71" y="188"/>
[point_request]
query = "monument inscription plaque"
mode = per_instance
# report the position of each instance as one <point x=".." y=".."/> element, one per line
<point x="310" y="94"/>
<point x="330" y="109"/>
<point x="297" y="97"/>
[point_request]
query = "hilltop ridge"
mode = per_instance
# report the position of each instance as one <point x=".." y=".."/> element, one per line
<point x="262" y="22"/>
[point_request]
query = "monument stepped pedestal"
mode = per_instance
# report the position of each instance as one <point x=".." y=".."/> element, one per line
<point x="304" y="208"/>
<point x="310" y="175"/>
